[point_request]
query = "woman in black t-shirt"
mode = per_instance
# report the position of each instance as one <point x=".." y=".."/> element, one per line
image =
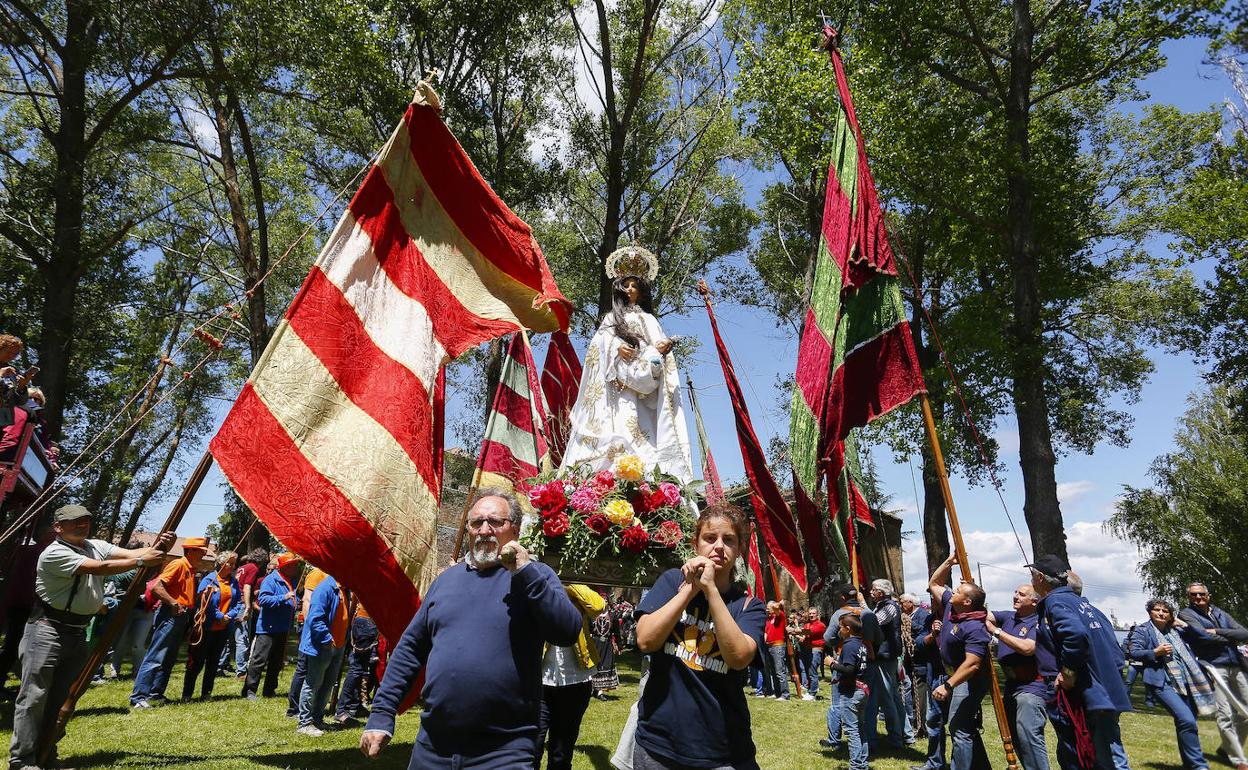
<point x="701" y="630"/>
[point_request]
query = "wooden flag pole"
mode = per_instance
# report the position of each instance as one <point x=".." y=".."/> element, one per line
<point x="998" y="703"/>
<point x="121" y="614"/>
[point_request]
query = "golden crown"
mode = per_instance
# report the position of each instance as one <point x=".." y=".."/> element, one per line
<point x="633" y="261"/>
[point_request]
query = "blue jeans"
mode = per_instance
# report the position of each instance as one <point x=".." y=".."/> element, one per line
<point x="808" y="665"/>
<point x="967" y="746"/>
<point x="321" y="673"/>
<point x="1107" y="738"/>
<point x="853" y="715"/>
<point x="132" y="642"/>
<point x="1027" y="716"/>
<point x="1184" y="726"/>
<point x="885" y="696"/>
<point x="241" y="644"/>
<point x="834" y="715"/>
<point x="777" y="670"/>
<point x="153" y="677"/>
<point x="937" y="716"/>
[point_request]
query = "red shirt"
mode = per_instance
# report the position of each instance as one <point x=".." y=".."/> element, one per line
<point x="815" y="631"/>
<point x="249" y="575"/>
<point x="773" y="630"/>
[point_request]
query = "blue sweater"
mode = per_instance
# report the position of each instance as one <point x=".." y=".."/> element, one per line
<point x="276" y="611"/>
<point x="211" y="584"/>
<point x="1082" y="640"/>
<point x="321" y="609"/>
<point x="479" y="637"/>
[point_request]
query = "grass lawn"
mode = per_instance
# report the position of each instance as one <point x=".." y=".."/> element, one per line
<point x="230" y="733"/>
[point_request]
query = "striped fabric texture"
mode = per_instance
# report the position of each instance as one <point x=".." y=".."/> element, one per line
<point x="856" y="360"/>
<point x="561" y="381"/>
<point x="513" y="448"/>
<point x="332" y="440"/>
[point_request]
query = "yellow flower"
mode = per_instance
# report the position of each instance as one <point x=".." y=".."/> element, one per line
<point x="629" y="468"/>
<point x="620" y="512"/>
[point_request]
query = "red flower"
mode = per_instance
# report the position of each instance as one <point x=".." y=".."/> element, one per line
<point x="668" y="534"/>
<point x="548" y="498"/>
<point x="600" y="524"/>
<point x="604" y="480"/>
<point x="634" y="539"/>
<point x="556" y="525"/>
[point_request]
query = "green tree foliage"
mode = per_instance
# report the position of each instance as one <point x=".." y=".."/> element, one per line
<point x="1189" y="527"/>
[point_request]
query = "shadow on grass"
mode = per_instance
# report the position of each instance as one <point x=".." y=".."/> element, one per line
<point x="598" y="756"/>
<point x="394" y="757"/>
<point x="98" y="710"/>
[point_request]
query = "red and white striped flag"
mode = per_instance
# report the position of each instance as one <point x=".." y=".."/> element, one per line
<point x="331" y="441"/>
<point x="513" y="448"/>
<point x="561" y="381"/>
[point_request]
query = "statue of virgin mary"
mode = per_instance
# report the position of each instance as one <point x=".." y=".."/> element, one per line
<point x="629" y="399"/>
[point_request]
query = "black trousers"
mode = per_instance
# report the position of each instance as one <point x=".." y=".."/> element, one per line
<point x="562" y="711"/>
<point x="359" y="665"/>
<point x="15" y="628"/>
<point x="267" y="651"/>
<point x="204" y="657"/>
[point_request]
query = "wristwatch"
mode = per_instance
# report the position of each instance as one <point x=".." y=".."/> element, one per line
<point x="996" y="634"/>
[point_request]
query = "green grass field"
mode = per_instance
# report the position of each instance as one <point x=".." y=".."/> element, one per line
<point x="229" y="733"/>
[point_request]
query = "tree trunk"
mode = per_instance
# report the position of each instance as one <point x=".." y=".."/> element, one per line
<point x="64" y="269"/>
<point x="1036" y="455"/>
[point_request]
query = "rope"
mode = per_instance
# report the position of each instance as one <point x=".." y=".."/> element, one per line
<point x="957" y="389"/>
<point x="200" y="331"/>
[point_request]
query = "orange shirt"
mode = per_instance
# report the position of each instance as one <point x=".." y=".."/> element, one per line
<point x="338" y="625"/>
<point x="179" y="580"/>
<point x="223" y="602"/>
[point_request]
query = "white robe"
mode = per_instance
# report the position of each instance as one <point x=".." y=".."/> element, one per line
<point x="629" y="407"/>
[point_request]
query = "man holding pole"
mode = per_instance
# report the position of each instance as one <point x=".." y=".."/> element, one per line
<point x="1027" y="667"/>
<point x="176" y="590"/>
<point x="960" y="689"/>
<point x="69" y="584"/>
<point x="1088" y="688"/>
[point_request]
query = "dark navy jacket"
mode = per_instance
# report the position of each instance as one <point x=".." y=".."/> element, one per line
<point x="1082" y="640"/>
<point x="1141" y="642"/>
<point x="479" y="636"/>
<point x="1219" y="649"/>
<point x="926" y="654"/>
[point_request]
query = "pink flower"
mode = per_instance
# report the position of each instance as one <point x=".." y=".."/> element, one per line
<point x="671" y="494"/>
<point x="587" y="499"/>
<point x="668" y="534"/>
<point x="604" y="480"/>
<point x="556" y="525"/>
<point x="599" y="524"/>
<point x="634" y="539"/>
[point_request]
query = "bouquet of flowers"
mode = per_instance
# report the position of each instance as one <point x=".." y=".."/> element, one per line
<point x="625" y="514"/>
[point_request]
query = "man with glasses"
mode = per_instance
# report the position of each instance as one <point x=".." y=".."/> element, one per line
<point x="478" y="637"/>
<point x="1217" y="648"/>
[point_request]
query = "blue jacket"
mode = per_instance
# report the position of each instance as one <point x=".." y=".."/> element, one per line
<point x="926" y="653"/>
<point x="1141" y="642"/>
<point x="1216" y="649"/>
<point x="1082" y="640"/>
<point x="211" y="584"/>
<point x="324" y="603"/>
<point x="479" y="636"/>
<point x="276" y="611"/>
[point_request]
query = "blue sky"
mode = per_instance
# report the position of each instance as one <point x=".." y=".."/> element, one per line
<point x="1088" y="484"/>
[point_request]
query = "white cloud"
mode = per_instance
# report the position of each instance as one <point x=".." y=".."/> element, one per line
<point x="1107" y="564"/>
<point x="1069" y="491"/>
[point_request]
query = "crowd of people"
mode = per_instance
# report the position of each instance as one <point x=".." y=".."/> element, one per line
<point x="517" y="699"/>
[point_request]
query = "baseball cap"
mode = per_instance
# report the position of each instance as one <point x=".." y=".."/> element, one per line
<point x="70" y="513"/>
<point x="1051" y="565"/>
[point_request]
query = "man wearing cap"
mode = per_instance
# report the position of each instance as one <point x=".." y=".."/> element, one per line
<point x="1089" y="663"/>
<point x="69" y="584"/>
<point x="478" y="637"/>
<point x="277" y="601"/>
<point x="1218" y="647"/>
<point x="175" y="588"/>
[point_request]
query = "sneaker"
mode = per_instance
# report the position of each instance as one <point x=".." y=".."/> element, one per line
<point x="807" y="696"/>
<point x="343" y="720"/>
<point x="251" y="696"/>
<point x="827" y="744"/>
<point x="782" y="697"/>
<point x="141" y="705"/>
<point x="312" y="731"/>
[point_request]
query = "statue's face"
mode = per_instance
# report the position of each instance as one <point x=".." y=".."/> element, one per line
<point x="632" y="290"/>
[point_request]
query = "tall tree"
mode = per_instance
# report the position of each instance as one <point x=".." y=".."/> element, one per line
<point x="79" y="71"/>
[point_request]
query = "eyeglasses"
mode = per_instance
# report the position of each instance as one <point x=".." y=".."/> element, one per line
<point x="476" y="525"/>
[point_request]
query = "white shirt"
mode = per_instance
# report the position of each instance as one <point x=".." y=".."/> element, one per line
<point x="560" y="667"/>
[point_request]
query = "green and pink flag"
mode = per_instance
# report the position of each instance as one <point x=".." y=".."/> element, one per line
<point x="857" y="359"/>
